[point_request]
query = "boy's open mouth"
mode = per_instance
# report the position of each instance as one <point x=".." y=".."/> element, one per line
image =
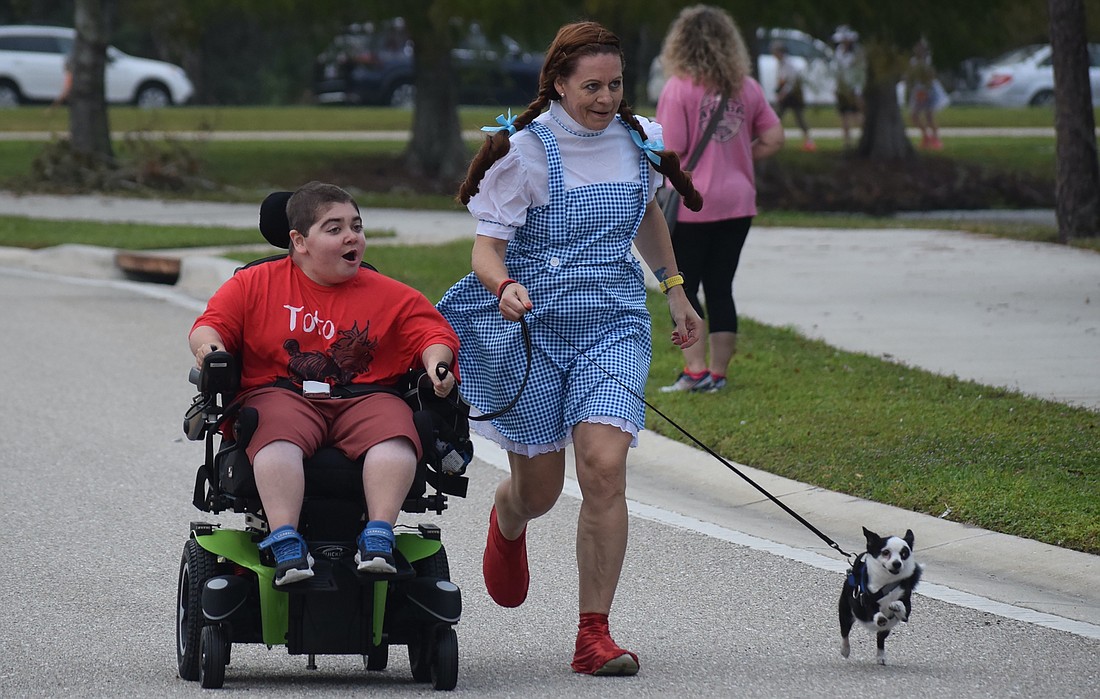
<point x="350" y="256"/>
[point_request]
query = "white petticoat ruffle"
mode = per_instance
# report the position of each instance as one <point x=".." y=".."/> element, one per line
<point x="488" y="431"/>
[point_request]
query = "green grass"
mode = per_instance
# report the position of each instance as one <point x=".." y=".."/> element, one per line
<point x="334" y="118"/>
<point x="198" y="118"/>
<point x="17" y="231"/>
<point x="22" y="232"/>
<point x="856" y="424"/>
<point x="1034" y="155"/>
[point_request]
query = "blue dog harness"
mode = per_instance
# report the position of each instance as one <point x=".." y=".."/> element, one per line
<point x="857" y="580"/>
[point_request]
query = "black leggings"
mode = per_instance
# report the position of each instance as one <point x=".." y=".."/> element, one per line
<point x="708" y="253"/>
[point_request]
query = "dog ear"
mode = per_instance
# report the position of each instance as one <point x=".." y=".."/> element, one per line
<point x="872" y="538"/>
<point x="909" y="537"/>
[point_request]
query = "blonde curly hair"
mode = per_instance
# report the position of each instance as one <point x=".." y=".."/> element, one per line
<point x="705" y="45"/>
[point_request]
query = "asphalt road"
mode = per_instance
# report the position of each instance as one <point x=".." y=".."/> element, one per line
<point x="97" y="482"/>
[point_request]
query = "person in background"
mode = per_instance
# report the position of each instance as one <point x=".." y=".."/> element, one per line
<point x="788" y="92"/>
<point x="560" y="192"/>
<point x="850" y="69"/>
<point x="66" y="82"/>
<point x="708" y="67"/>
<point x="924" y="95"/>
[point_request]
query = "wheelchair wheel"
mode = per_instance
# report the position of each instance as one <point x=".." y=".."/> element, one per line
<point x="214" y="656"/>
<point x="420" y="657"/>
<point x="378" y="658"/>
<point x="196" y="567"/>
<point x="444" y="668"/>
<point x="420" y="652"/>
<point x="434" y="566"/>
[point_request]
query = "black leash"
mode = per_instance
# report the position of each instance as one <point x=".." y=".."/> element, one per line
<point x="526" y="375"/>
<point x="832" y="544"/>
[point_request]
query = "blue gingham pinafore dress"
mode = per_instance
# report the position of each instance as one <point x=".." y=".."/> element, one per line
<point x="574" y="257"/>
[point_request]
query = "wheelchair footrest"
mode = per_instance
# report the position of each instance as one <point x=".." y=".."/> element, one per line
<point x="323" y="580"/>
<point x="332" y="576"/>
<point x="404" y="571"/>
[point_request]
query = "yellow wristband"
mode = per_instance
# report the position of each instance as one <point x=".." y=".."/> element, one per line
<point x="674" y="280"/>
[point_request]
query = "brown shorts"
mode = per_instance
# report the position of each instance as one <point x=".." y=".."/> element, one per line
<point x="352" y="425"/>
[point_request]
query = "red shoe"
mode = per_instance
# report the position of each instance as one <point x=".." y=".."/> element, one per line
<point x="504" y="566"/>
<point x="597" y="653"/>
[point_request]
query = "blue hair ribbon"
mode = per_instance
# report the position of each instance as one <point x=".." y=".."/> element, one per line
<point x="506" y="124"/>
<point x="649" y="147"/>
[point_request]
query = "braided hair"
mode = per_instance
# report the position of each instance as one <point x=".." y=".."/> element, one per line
<point x="573" y="42"/>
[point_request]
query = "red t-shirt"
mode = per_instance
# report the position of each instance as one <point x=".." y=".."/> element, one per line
<point x="281" y="324"/>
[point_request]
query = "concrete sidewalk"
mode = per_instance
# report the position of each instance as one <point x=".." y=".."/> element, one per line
<point x="1019" y="315"/>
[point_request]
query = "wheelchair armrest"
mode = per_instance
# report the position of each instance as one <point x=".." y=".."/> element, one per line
<point x="218" y="378"/>
<point x="219" y="374"/>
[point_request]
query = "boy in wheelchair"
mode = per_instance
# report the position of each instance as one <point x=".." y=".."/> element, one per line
<point x="322" y="341"/>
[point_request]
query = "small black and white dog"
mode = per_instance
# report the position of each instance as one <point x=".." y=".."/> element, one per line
<point x="878" y="589"/>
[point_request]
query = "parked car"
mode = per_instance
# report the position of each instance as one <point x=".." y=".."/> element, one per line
<point x="1025" y="77"/>
<point x="32" y="69"/>
<point x="372" y="64"/>
<point x="813" y="57"/>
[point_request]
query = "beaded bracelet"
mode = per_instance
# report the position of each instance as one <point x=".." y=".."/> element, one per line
<point x="674" y="280"/>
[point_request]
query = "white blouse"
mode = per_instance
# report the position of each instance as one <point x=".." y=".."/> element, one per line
<point x="520" y="180"/>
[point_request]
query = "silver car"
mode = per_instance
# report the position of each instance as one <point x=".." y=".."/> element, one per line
<point x="1025" y="77"/>
<point x="32" y="69"/>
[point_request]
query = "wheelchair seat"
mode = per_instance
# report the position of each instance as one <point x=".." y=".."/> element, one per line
<point x="226" y="482"/>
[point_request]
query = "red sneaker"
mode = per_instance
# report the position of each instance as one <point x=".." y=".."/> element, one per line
<point x="504" y="566"/>
<point x="597" y="653"/>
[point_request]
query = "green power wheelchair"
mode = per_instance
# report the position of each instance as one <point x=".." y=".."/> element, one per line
<point x="226" y="594"/>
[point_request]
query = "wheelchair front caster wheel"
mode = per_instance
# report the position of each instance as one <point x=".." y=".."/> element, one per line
<point x="214" y="652"/>
<point x="378" y="658"/>
<point x="444" y="665"/>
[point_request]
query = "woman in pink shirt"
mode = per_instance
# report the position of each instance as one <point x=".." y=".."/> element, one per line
<point x="708" y="66"/>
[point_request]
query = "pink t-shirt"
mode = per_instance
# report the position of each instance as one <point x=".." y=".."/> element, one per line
<point x="724" y="174"/>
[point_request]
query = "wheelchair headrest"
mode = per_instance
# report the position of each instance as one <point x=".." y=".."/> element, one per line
<point x="274" y="224"/>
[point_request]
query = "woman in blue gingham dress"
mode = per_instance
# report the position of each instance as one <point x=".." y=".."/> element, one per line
<point x="573" y="256"/>
<point x="558" y="205"/>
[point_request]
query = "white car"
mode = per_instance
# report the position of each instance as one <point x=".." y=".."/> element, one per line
<point x="812" y="57"/>
<point x="1025" y="77"/>
<point x="32" y="69"/>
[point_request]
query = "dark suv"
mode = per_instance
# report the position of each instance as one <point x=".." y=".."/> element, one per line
<point x="373" y="64"/>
